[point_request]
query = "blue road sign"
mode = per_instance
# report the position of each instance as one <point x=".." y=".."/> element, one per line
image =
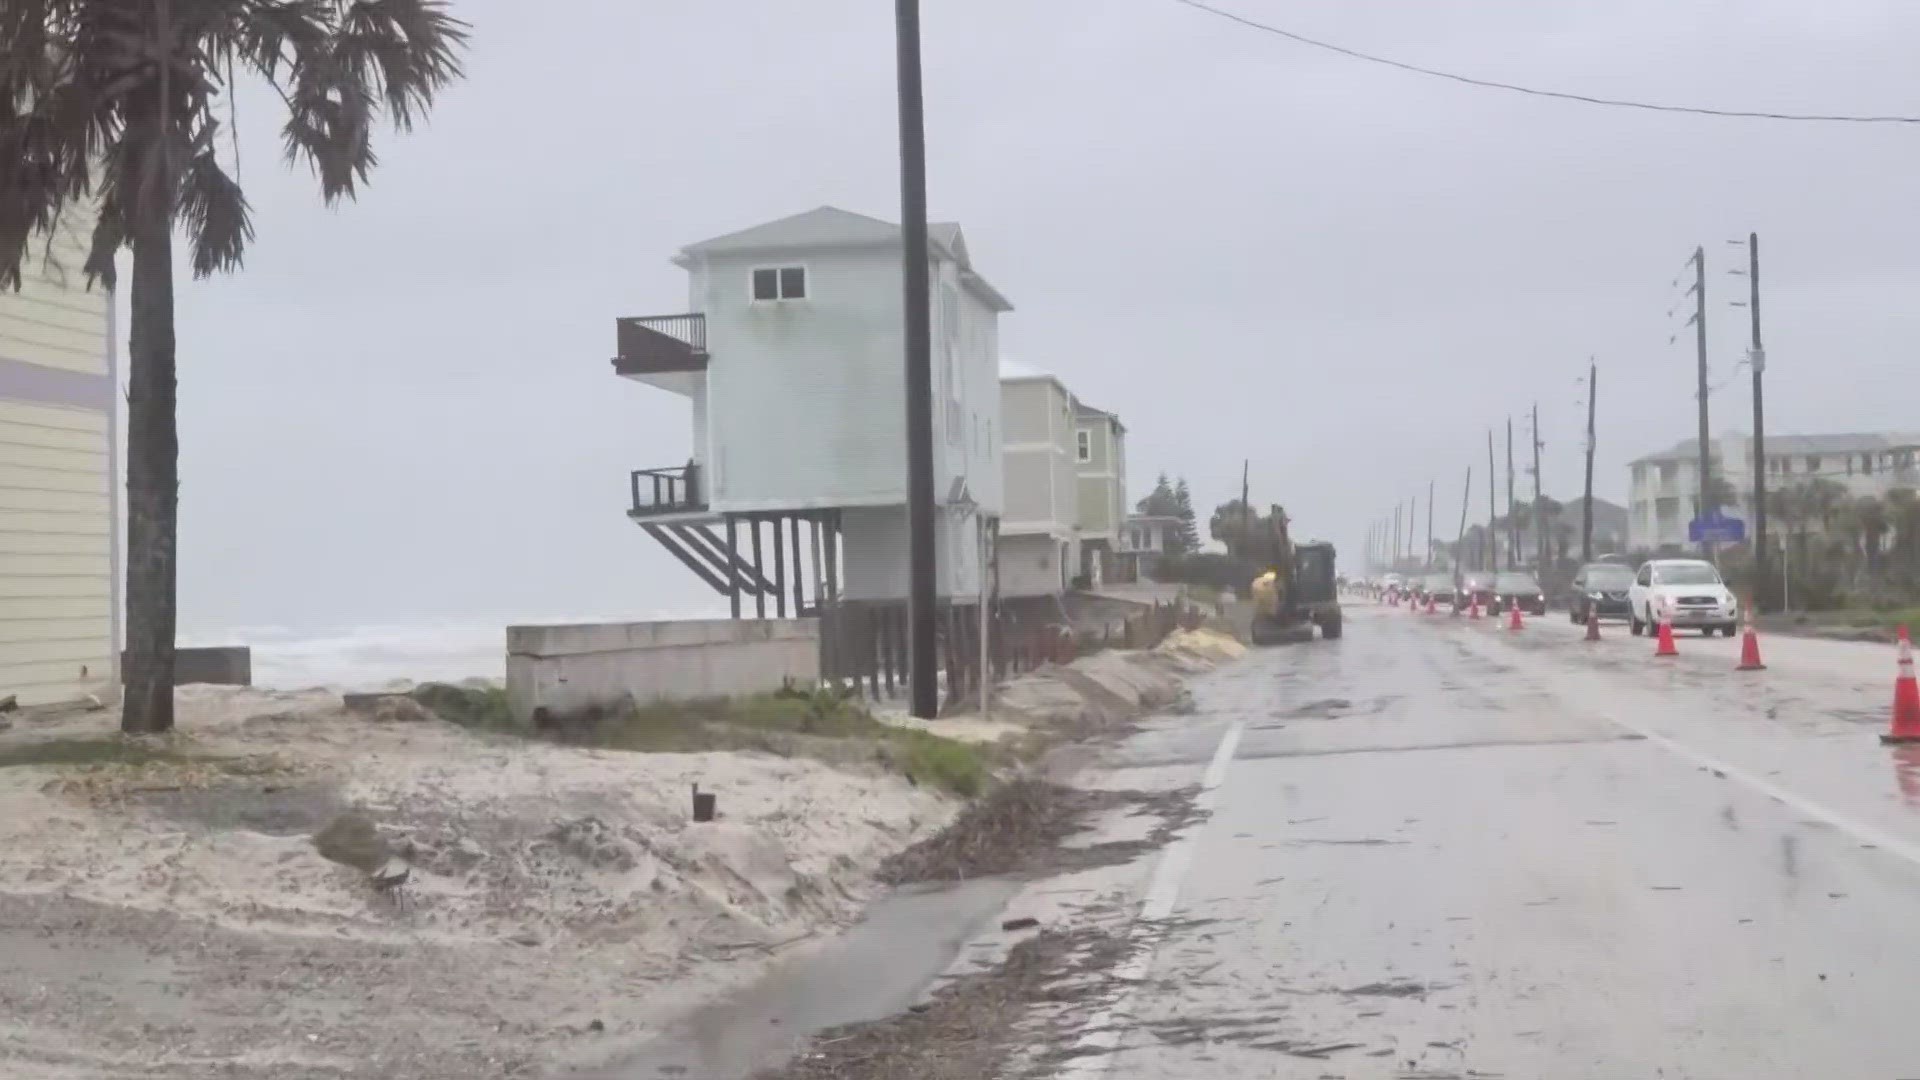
<point x="1716" y="528"/>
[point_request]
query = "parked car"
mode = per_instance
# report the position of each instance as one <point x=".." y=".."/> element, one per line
<point x="1689" y="592"/>
<point x="1600" y="588"/>
<point x="1517" y="587"/>
<point x="1475" y="585"/>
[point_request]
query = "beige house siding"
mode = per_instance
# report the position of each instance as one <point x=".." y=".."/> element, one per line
<point x="57" y="520"/>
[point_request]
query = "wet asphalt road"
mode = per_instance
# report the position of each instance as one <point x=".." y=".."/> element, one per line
<point x="1440" y="849"/>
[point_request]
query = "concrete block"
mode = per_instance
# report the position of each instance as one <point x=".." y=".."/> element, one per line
<point x="565" y="669"/>
<point x="221" y="665"/>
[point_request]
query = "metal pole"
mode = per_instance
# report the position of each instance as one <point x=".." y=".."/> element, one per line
<point x="1700" y="338"/>
<point x="1586" y="500"/>
<point x="1395" y="564"/>
<point x="1757" y="360"/>
<point x="923" y="660"/>
<point x="1493" y="546"/>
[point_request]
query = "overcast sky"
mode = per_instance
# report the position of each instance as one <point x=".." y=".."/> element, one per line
<point x="402" y="411"/>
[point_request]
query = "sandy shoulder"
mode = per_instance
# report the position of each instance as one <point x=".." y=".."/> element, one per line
<point x="175" y="918"/>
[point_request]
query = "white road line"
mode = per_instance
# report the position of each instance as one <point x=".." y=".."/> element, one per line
<point x="1866" y="834"/>
<point x="1096" y="1048"/>
<point x="1807" y="808"/>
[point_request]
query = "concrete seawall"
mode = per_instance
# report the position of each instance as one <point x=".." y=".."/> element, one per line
<point x="560" y="669"/>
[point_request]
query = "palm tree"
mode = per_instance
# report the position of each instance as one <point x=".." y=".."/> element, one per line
<point x="1870" y="521"/>
<point x="1903" y="515"/>
<point x="110" y="107"/>
<point x="1824" y="499"/>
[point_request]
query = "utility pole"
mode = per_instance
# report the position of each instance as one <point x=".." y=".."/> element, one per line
<point x="1540" y="547"/>
<point x="1460" y="538"/>
<point x="1493" y="547"/>
<point x="1700" y="338"/>
<point x="1395" y="564"/>
<point x="1246" y="506"/>
<point x="1429" y="524"/>
<point x="1413" y="516"/>
<point x="1757" y="360"/>
<point x="1513" y="519"/>
<point x="922" y="653"/>
<point x="1586" y="500"/>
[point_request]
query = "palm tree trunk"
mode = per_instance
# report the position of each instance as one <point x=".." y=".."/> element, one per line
<point x="153" y="483"/>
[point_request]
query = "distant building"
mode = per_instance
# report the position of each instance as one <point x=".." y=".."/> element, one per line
<point x="1039" y="546"/>
<point x="58" y="526"/>
<point x="1100" y="458"/>
<point x="1664" y="488"/>
<point x="790" y="360"/>
<point x="1144" y="540"/>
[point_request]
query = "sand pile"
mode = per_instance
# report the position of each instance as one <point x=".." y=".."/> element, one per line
<point x="537" y="882"/>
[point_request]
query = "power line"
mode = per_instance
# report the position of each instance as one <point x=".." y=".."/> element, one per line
<point x="1561" y="95"/>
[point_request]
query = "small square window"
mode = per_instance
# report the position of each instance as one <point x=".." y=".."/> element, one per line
<point x="780" y="283"/>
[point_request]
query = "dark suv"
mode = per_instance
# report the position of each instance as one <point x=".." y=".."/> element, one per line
<point x="1517" y="588"/>
<point x="1602" y="589"/>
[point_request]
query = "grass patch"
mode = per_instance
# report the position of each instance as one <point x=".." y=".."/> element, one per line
<point x="107" y="750"/>
<point x="1889" y="619"/>
<point x="820" y="724"/>
<point x="469" y="706"/>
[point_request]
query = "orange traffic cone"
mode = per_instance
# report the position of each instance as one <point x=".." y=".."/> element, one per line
<point x="1430" y="607"/>
<point x="1666" y="646"/>
<point x="1906" y="698"/>
<point x="1473" y="606"/>
<point x="1593" y="624"/>
<point x="1514" y="622"/>
<point x="1750" y="646"/>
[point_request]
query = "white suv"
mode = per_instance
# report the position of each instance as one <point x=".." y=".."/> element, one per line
<point x="1687" y="592"/>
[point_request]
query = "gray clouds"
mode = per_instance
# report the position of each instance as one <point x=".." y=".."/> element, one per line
<point x="401" y="411"/>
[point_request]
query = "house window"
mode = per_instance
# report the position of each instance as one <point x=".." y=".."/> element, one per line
<point x="780" y="283"/>
<point x="1866" y="464"/>
<point x="1668" y="471"/>
<point x="1083" y="446"/>
<point x="1813" y="464"/>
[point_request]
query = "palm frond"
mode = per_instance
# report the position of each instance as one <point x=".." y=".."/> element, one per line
<point x="381" y="55"/>
<point x="214" y="212"/>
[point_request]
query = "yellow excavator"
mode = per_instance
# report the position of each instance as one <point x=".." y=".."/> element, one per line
<point x="1296" y="591"/>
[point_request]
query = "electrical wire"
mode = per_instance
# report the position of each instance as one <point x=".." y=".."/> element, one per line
<point x="1560" y="95"/>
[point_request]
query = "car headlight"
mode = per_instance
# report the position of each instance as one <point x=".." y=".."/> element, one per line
<point x="1596" y="596"/>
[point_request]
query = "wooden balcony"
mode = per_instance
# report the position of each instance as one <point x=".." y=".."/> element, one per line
<point x="661" y="345"/>
<point x="666" y="491"/>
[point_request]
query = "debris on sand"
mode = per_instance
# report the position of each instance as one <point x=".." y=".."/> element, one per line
<point x="353" y="840"/>
<point x="973" y="1025"/>
<point x="1019" y="828"/>
<point x="1398" y="988"/>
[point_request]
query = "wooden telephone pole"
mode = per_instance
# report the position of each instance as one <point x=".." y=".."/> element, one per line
<point x="1492" y="545"/>
<point x="923" y="656"/>
<point x="1586" y="500"/>
<point x="1429" y="524"/>
<point x="1540" y="545"/>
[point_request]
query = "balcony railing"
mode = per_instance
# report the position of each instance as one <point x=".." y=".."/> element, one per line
<point x="661" y="344"/>
<point x="666" y="491"/>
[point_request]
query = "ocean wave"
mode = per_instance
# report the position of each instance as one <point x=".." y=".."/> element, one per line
<point x="371" y="657"/>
